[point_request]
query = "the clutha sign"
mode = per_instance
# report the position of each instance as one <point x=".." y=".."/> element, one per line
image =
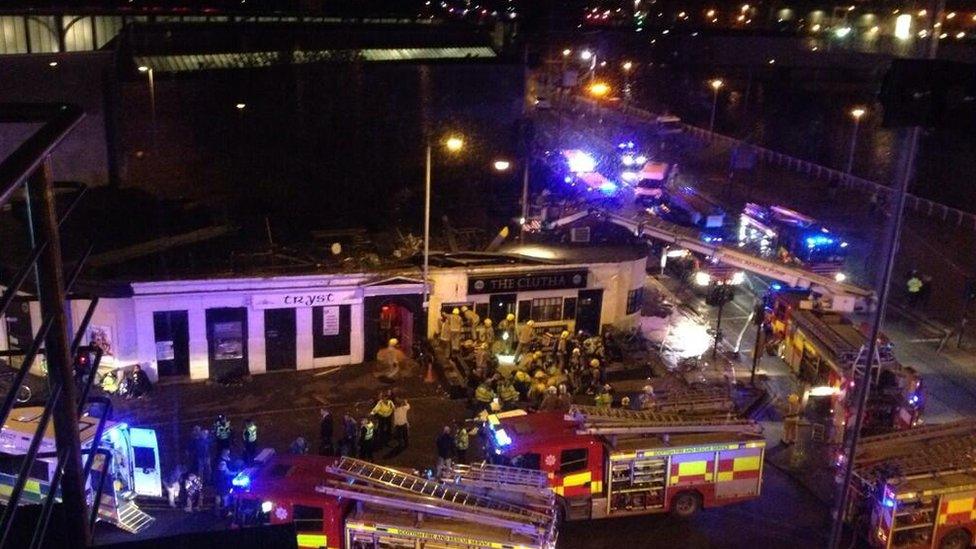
<point x="527" y="282"/>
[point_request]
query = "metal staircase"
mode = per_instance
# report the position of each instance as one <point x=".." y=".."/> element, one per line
<point x="389" y="487"/>
<point x="615" y="421"/>
<point x="132" y="519"/>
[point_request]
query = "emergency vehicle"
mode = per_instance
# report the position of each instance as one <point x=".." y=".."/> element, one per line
<point x="346" y="503"/>
<point x="133" y="470"/>
<point x="652" y="180"/>
<point x="791" y="237"/>
<point x="612" y="462"/>
<point x="917" y="488"/>
<point x="825" y="348"/>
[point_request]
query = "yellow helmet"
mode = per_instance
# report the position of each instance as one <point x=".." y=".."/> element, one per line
<point x="521" y="376"/>
<point x="539" y="374"/>
<point x="455" y="311"/>
<point x="464" y="308"/>
<point x="794" y="398"/>
<point x="530" y="323"/>
<point x="595" y="362"/>
<point x="487" y="322"/>
<point x="393" y="342"/>
<point x="510" y="317"/>
<point x="537" y="354"/>
<point x="564" y="335"/>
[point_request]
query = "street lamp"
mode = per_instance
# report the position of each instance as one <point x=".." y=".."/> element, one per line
<point x="152" y="98"/>
<point x="856" y="114"/>
<point x="716" y="85"/>
<point x="502" y="165"/>
<point x="566" y="52"/>
<point x="453" y="143"/>
<point x="240" y="106"/>
<point x="599" y="89"/>
<point x="590" y="56"/>
<point x="627" y="66"/>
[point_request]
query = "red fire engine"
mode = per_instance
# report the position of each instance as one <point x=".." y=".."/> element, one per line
<point x="345" y="503"/>
<point x="918" y="487"/>
<point x="611" y="462"/>
<point x="825" y="348"/>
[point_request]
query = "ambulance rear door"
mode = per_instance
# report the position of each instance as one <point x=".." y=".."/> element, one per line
<point x="144" y="457"/>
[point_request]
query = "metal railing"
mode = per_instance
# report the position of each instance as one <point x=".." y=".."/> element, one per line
<point x="919" y="206"/>
<point x="26" y="173"/>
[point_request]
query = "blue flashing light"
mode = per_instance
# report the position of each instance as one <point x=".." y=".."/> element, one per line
<point x="627" y="159"/>
<point x="843" y="244"/>
<point x="581" y="162"/>
<point x="621" y="145"/>
<point x="818" y="240"/>
<point x="776" y="287"/>
<point x="628" y="176"/>
<point x="568" y="179"/>
<point x="608" y="187"/>
<point x="640" y="159"/>
<point x="888" y="502"/>
<point x="241" y="480"/>
<point x="914" y="399"/>
<point x="630" y="144"/>
<point x="502" y="438"/>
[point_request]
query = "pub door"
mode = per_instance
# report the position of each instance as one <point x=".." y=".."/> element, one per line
<point x="171" y="330"/>
<point x="588" y="311"/>
<point x="500" y="305"/>
<point x="279" y="339"/>
<point x="227" y="343"/>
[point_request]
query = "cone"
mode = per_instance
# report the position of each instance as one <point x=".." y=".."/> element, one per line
<point x="429" y="377"/>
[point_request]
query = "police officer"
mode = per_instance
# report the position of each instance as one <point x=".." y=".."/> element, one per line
<point x="250" y="437"/>
<point x="222" y="433"/>
<point x="461" y="444"/>
<point x="914" y="287"/>
<point x="367" y="432"/>
<point x="604" y="399"/>
<point x="383" y="410"/>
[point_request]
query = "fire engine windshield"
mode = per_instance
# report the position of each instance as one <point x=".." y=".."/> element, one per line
<point x="525" y="461"/>
<point x="251" y="512"/>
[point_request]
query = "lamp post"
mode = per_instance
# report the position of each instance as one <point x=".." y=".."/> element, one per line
<point x="152" y="98"/>
<point x="627" y="66"/>
<point x="588" y="55"/>
<point x="453" y="144"/>
<point x="716" y="85"/>
<point x="856" y="114"/>
<point x="503" y="166"/>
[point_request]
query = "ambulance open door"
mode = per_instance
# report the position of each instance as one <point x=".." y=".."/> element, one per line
<point x="144" y="457"/>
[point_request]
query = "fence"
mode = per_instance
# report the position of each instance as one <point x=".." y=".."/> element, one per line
<point x="918" y="205"/>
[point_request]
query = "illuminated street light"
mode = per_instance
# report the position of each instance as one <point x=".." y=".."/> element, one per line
<point x="599" y="89"/>
<point x="856" y="113"/>
<point x="453" y="143"/>
<point x="716" y="85"/>
<point x="240" y="106"/>
<point x="566" y="52"/>
<point x="53" y="64"/>
<point x="628" y="65"/>
<point x="502" y="165"/>
<point x="586" y="55"/>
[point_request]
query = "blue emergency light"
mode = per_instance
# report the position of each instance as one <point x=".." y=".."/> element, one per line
<point x="241" y="480"/>
<point x="502" y="438"/>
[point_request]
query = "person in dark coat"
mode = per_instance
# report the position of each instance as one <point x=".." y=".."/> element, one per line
<point x="326" y="426"/>
<point x="445" y="451"/>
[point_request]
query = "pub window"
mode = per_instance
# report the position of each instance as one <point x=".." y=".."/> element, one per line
<point x="331" y="326"/>
<point x="547" y="309"/>
<point x="524" y="310"/>
<point x="569" y="308"/>
<point x="635" y="299"/>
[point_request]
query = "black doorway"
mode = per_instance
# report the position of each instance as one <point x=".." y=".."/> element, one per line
<point x="279" y="339"/>
<point x="588" y="311"/>
<point x="172" y="343"/>
<point x="500" y="305"/>
<point x="227" y="343"/>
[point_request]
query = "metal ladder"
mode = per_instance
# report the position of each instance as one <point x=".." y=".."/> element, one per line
<point x="933" y="456"/>
<point x="861" y="361"/>
<point x="510" y="477"/>
<point x="384" y="476"/>
<point x="133" y="519"/>
<point x="593" y="420"/>
<point x="925" y="433"/>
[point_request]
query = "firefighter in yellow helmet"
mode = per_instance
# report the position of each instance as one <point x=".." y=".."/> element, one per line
<point x="791" y="423"/>
<point x="506" y="331"/>
<point x="457" y="327"/>
<point x="522" y="383"/>
<point x="484" y="395"/>
<point x="506" y="393"/>
<point x="604" y="399"/>
<point x="485" y="333"/>
<point x="562" y="349"/>
<point x="593" y="373"/>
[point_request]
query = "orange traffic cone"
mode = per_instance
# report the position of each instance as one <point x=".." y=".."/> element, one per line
<point x="429" y="377"/>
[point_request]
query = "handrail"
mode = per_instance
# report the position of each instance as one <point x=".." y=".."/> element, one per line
<point x="60" y="120"/>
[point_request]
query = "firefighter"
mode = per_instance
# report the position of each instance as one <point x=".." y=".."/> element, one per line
<point x="625" y="402"/>
<point x="526" y="337"/>
<point x="367" y="434"/>
<point x="486" y="333"/>
<point x="507" y="327"/>
<point x="522" y="383"/>
<point x="604" y="399"/>
<point x="472" y="319"/>
<point x="791" y="423"/>
<point x="383" y="412"/>
<point x="562" y="349"/>
<point x="222" y="433"/>
<point x="110" y="384"/>
<point x="576" y="370"/>
<point x="914" y="288"/>
<point x="594" y="375"/>
<point x="461" y="444"/>
<point x="507" y="393"/>
<point x="646" y="399"/>
<point x="484" y="395"/>
<point x="457" y="326"/>
<point x="565" y="400"/>
<point x="551" y="400"/>
<point x="249" y="435"/>
<point x="538" y="388"/>
<point x="444" y="334"/>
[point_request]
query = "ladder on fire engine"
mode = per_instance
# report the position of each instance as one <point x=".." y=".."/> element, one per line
<point x="923" y="450"/>
<point x="861" y="361"/>
<point x="694" y="400"/>
<point x="616" y="421"/>
<point x="510" y="478"/>
<point x="379" y="479"/>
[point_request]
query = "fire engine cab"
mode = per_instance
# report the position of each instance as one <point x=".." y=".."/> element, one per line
<point x="917" y="488"/>
<point x="612" y="462"/>
<point x="346" y="503"/>
<point x="825" y="348"/>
